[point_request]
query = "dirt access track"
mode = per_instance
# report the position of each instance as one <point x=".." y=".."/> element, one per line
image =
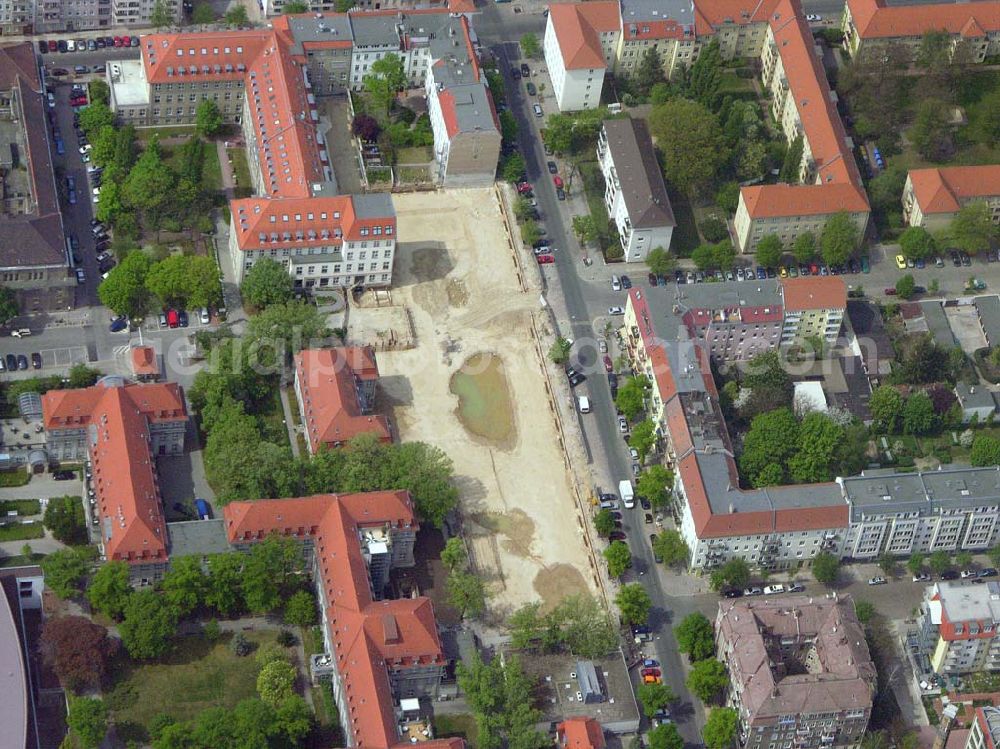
<point x="455" y="272"/>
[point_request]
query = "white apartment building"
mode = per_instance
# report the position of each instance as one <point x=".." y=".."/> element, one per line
<point x="634" y="193"/>
<point x="580" y="44"/>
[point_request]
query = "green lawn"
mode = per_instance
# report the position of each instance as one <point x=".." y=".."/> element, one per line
<point x="241" y="170"/>
<point x="415" y="155"/>
<point x="144" y="134"/>
<point x="199" y="674"/>
<point x="22" y="506"/>
<point x="21" y="531"/>
<point x="16" y="477"/>
<point x="447" y="726"/>
<point x="211" y="172"/>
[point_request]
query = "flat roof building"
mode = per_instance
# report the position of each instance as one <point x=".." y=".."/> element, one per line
<point x="799" y="667"/>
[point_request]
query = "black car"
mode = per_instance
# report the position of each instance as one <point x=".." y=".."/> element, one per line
<point x="101" y="44"/>
<point x="11" y="361"/>
<point x="732" y="593"/>
<point x="626" y="282"/>
<point x="955" y="259"/>
<point x="182" y="318"/>
<point x="653" y="281"/>
<point x="22" y="361"/>
<point x="531" y="88"/>
<point x="43" y="46"/>
<point x="525" y="70"/>
<point x="949" y="575"/>
<point x="36" y="360"/>
<point x="63" y="475"/>
<point x="109" y="41"/>
<point x="61" y="45"/>
<point x="553" y="168"/>
<point x="646" y="505"/>
<point x="988" y="572"/>
<point x="679" y="277"/>
<point x="560" y="193"/>
<point x="515" y="74"/>
<point x="966" y="260"/>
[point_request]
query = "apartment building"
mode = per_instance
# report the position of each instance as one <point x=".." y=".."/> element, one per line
<point x="378" y="651"/>
<point x="985" y="731"/>
<point x="580" y="45"/>
<point x="16" y="17"/>
<point x="276" y="7"/>
<point x="634" y="192"/>
<point x="120" y="429"/>
<point x="956" y="629"/>
<point x="933" y="197"/>
<point x="800" y="671"/>
<point x="33" y="254"/>
<point x="870" y="26"/>
<point x="335" y="389"/>
<point x="464" y="120"/>
<point x="140" y="12"/>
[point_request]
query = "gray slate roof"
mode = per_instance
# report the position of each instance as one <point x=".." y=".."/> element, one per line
<point x="988" y="308"/>
<point x="937" y="324"/>
<point x="642" y="186"/>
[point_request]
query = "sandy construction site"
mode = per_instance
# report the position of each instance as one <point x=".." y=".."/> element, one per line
<point x="474" y="385"/>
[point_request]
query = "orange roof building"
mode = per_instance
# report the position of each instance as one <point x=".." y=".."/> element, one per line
<point x="335" y="389"/>
<point x="932" y="197"/>
<point x="380" y="650"/>
<point x="120" y="428"/>
<point x="145" y="363"/>
<point x="579" y="732"/>
<point x="580" y="43"/>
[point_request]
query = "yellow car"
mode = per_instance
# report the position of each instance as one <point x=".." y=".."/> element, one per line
<point x="783" y="271"/>
<point x="900" y="262"/>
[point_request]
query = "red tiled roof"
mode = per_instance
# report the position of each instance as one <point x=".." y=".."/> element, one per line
<point x="822" y="292"/>
<point x="369" y="637"/>
<point x="234" y="49"/>
<point x="710" y="14"/>
<point x="666" y="28"/>
<point x="770" y="201"/>
<point x="874" y="19"/>
<point x="73" y="408"/>
<point x="578" y="27"/>
<point x="579" y="732"/>
<point x="944" y="190"/>
<point x="263" y="224"/>
<point x="329" y="394"/>
<point x="447" y="100"/>
<point x="143" y="360"/>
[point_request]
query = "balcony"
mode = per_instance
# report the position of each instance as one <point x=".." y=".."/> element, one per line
<point x="321" y="665"/>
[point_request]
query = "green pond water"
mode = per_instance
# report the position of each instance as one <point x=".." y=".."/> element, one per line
<point x="484" y="403"/>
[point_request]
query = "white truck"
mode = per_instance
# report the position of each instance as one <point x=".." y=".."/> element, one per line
<point x="626" y="493"/>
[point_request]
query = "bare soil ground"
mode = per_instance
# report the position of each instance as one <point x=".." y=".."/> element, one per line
<point x="456" y="276"/>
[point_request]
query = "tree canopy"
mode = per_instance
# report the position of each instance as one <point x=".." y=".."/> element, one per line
<point x="208" y="118"/>
<point x="825" y="567"/>
<point x="917" y="243"/>
<point x="109" y="589"/>
<point x="78" y="650"/>
<point x="579" y="625"/>
<point x="695" y="637"/>
<point x="88" y="720"/>
<point x="64" y="571"/>
<point x="124" y="290"/>
<point x="985" y="451"/>
<point x="720" y="728"/>
<point x="386" y="78"/>
<point x="693" y="145"/>
<point x="500" y="695"/>
<point x="64" y="517"/>
<point x="149" y="625"/>
<point x="708" y="680"/>
<point x="619" y="558"/>
<point x="839" y="239"/>
<point x="634" y="603"/>
<point x="769" y="250"/>
<point x="973" y="229"/>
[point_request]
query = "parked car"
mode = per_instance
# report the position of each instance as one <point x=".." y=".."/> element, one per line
<point x="43" y="46"/>
<point x="119" y="324"/>
<point x="545" y="259"/>
<point x="203" y="317"/>
<point x="771" y="590"/>
<point x="732" y="593"/>
<point x="63" y="475"/>
<point x="617" y="536"/>
<point x="553" y="169"/>
<point x="966" y="574"/>
<point x="36" y="360"/>
<point x="626" y="282"/>
<point x="988" y="572"/>
<point x="622" y="424"/>
<point x="22" y="362"/>
<point x="537" y="109"/>
<point x="616" y="310"/>
<point x="949" y="575"/>
<point x="753" y="591"/>
<point x="922" y="577"/>
<point x="557" y="181"/>
<point x="531" y="88"/>
<point x="560" y="193"/>
<point x="876" y="581"/>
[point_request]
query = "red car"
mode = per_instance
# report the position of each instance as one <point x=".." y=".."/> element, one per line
<point x="889" y="290"/>
<point x="524" y="188"/>
<point x="557" y="180"/>
<point x="173" y="319"/>
<point x="617" y="536"/>
<point x="545" y="259"/>
<point x="119" y="41"/>
<point x="608" y="365"/>
<point x="650" y="672"/>
<point x="53" y="45"/>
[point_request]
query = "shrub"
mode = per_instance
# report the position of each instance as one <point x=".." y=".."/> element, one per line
<point x="286" y="638"/>
<point x="714" y="230"/>
<point x="240" y="645"/>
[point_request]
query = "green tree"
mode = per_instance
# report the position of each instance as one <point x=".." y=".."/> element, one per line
<point x="819" y="440"/>
<point x="586" y="228"/>
<point x="885" y="190"/>
<point x="208" y="118"/>
<point x="906" y="287"/>
<point x="466" y="593"/>
<point x="649" y="72"/>
<point x="454" y="555"/>
<point x="530" y="233"/>
<point x="289" y="328"/>
<point x="804" y="247"/>
<point x="724" y="254"/>
<point x="267" y="282"/>
<point x="707" y="680"/>
<point x="705" y="76"/>
<point x="99" y="92"/>
<point x="513" y="168"/>
<point x="665" y="736"/>
<point x="918" y="415"/>
<point x="930" y="133"/>
<point x="655" y="484"/>
<point x="643" y="438"/>
<point x="886" y="406"/>
<point x="8" y="305"/>
<point x="769" y="250"/>
<point x="224" y="590"/>
<point x="695" y="637"/>
<point x="161" y="15"/>
<point x="149" y="187"/>
<point x="825" y="567"/>
<point x="704" y="257"/>
<point x="634" y="603"/>
<point x="671" y="548"/>
<point x="735" y="573"/>
<point x="887" y="563"/>
<point x="237" y="16"/>
<point x="531" y="47"/>
<point x="939" y="562"/>
<point x="631" y="398"/>
<point x="660" y="261"/>
<point x="185" y="586"/>
<point x="839" y="238"/>
<point x="917" y="243"/>
<point x="559" y="352"/>
<point x="727" y="197"/>
<point x="88" y="720"/>
<point x="985" y="451"/>
<point x="64" y="517"/>
<point x="720" y="728"/>
<point x="294" y="7"/>
<point x="619" y="558"/>
<point x="111" y="207"/>
<point x="973" y="229"/>
<point x="604" y="523"/>
<point x="64" y="571"/>
<point x="693" y="145"/>
<point x="203" y="14"/>
<point x="267" y="569"/>
<point x="386" y="79"/>
<point x="915" y="564"/>
<point x="275" y="682"/>
<point x="793" y="161"/>
<point x="773" y="438"/>
<point x="653" y="698"/>
<point x="865" y="611"/>
<point x="109" y="589"/>
<point x="500" y="696"/>
<point x="508" y="127"/>
<point x="96" y="117"/>
<point x="963" y="559"/>
<point x="149" y="625"/>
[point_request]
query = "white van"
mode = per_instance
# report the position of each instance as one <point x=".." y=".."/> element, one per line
<point x="583" y="403"/>
<point x="626" y="493"/>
